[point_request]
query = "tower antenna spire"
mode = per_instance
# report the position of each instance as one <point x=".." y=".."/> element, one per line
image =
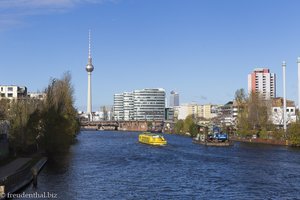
<point x="90" y="43"/>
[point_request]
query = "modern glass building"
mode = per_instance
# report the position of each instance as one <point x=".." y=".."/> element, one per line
<point x="149" y="104"/>
<point x="118" y="107"/>
<point x="174" y="99"/>
<point x="145" y="104"/>
<point x="128" y="106"/>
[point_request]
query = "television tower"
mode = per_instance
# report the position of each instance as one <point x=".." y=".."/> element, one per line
<point x="89" y="68"/>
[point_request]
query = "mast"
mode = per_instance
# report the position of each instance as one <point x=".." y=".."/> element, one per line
<point x="89" y="68"/>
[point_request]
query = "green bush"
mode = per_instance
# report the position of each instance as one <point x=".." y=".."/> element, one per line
<point x="186" y="126"/>
<point x="294" y="134"/>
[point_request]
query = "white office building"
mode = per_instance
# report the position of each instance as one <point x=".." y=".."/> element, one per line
<point x="277" y="111"/>
<point x="149" y="104"/>
<point x="104" y="113"/>
<point x="118" y="107"/>
<point x="37" y="95"/>
<point x="145" y="104"/>
<point x="174" y="99"/>
<point x="128" y="107"/>
<point x="12" y="92"/>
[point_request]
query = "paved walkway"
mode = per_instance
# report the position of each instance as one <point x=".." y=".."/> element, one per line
<point x="12" y="167"/>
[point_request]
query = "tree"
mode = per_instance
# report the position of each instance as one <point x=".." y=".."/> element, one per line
<point x="259" y="112"/>
<point x="18" y="120"/>
<point x="242" y="105"/>
<point x="59" y="117"/>
<point x="187" y="123"/>
<point x="187" y="126"/>
<point x="179" y="126"/>
<point x="33" y="130"/>
<point x="294" y="134"/>
<point x="51" y="123"/>
<point x="193" y="129"/>
<point x="240" y="97"/>
<point x="21" y="136"/>
<point x="4" y="107"/>
<point x="253" y="114"/>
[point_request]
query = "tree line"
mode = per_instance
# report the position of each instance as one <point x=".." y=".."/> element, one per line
<point x="50" y="125"/>
<point x="255" y="117"/>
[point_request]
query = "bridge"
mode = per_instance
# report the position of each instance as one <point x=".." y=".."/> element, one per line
<point x="123" y="125"/>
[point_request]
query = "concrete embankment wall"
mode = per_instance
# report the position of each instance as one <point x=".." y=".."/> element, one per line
<point x="21" y="177"/>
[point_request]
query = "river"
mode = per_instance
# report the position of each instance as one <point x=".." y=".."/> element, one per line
<point x="113" y="165"/>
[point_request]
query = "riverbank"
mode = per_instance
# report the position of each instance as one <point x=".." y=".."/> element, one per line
<point x="261" y="141"/>
<point x="19" y="173"/>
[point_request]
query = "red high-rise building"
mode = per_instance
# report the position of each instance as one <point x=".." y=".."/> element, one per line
<point x="262" y="82"/>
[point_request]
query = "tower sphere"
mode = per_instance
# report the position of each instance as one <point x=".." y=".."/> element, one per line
<point x="89" y="67"/>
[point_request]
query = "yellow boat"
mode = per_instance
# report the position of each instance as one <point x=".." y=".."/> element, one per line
<point x="153" y="139"/>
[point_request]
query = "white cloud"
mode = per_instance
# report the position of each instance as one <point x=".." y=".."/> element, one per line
<point x="32" y="4"/>
<point x="13" y="12"/>
<point x="46" y="3"/>
<point x="8" y="23"/>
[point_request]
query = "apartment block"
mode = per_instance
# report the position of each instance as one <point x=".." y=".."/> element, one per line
<point x="262" y="82"/>
<point x="12" y="92"/>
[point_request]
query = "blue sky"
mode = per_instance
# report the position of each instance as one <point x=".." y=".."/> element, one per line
<point x="204" y="49"/>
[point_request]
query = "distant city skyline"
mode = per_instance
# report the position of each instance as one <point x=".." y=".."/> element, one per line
<point x="202" y="49"/>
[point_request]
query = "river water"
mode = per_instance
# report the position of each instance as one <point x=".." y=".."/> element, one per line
<point x="113" y="165"/>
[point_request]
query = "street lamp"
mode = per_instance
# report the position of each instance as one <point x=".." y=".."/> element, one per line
<point x="284" y="98"/>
